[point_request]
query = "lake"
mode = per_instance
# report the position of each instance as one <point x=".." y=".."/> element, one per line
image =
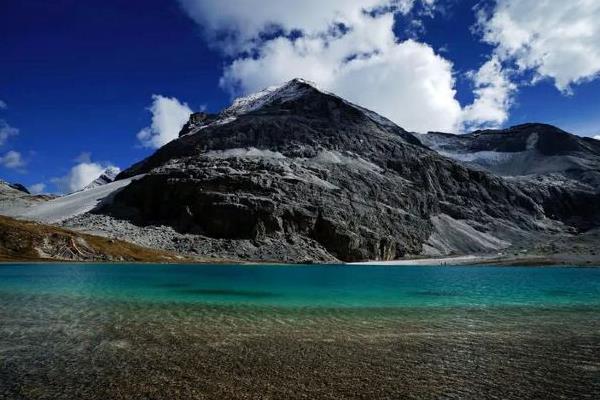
<point x="225" y="331"/>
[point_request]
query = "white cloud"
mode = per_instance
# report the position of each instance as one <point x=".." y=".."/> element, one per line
<point x="406" y="82"/>
<point x="347" y="51"/>
<point x="37" y="188"/>
<point x="493" y="97"/>
<point x="85" y="157"/>
<point x="6" y="131"/>
<point x="168" y="117"/>
<point x="236" y="25"/>
<point x="597" y="137"/>
<point x="12" y="160"/>
<point x="559" y="40"/>
<point x="81" y="175"/>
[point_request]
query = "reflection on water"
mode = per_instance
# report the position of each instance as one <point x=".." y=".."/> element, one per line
<point x="192" y="336"/>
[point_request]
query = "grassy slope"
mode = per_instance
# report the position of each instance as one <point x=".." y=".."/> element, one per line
<point x="22" y="241"/>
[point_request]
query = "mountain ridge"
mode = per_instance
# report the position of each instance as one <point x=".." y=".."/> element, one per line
<point x="526" y="150"/>
<point x="296" y="174"/>
<point x="363" y="187"/>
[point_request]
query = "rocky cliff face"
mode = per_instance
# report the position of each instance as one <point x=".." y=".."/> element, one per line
<point x="295" y="174"/>
<point x="528" y="150"/>
<point x="560" y="170"/>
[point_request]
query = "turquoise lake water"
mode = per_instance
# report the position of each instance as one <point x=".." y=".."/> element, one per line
<point x="286" y="332"/>
<point x="311" y="286"/>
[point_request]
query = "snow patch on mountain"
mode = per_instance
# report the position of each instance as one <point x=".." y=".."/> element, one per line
<point x="347" y="159"/>
<point x="482" y="157"/>
<point x="275" y="94"/>
<point x="251" y="152"/>
<point x="532" y="141"/>
<point x="77" y="203"/>
<point x="15" y="186"/>
<point x="107" y="176"/>
<point x="279" y="94"/>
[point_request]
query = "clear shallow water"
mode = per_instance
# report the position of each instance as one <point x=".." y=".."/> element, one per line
<point x="333" y="332"/>
<point x="311" y="286"/>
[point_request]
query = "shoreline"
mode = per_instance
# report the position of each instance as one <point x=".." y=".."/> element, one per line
<point x="483" y="261"/>
<point x="464" y="260"/>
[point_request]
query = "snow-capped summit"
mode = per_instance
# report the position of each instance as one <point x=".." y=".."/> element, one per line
<point x="275" y="94"/>
<point x="291" y="91"/>
<point x="107" y="176"/>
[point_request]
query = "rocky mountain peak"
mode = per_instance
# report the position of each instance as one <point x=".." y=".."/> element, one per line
<point x="544" y="138"/>
<point x="107" y="176"/>
<point x="296" y="119"/>
<point x="15" y="186"/>
<point x="274" y="95"/>
<point x="289" y="91"/>
<point x="294" y="98"/>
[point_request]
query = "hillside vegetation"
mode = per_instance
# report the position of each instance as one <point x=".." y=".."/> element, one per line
<point x="28" y="241"/>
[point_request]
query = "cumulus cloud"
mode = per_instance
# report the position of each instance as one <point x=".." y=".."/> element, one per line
<point x="236" y="26"/>
<point x="37" y="188"/>
<point x="6" y="131"/>
<point x="348" y="47"/>
<point x="85" y="157"/>
<point x="12" y="160"/>
<point x="597" y="137"/>
<point x="81" y="175"/>
<point x="168" y="117"/>
<point x="407" y="82"/>
<point x="558" y="40"/>
<point x="493" y="96"/>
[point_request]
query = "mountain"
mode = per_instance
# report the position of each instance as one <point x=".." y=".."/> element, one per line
<point x="297" y="174"/>
<point x="16" y="186"/>
<point x="537" y="151"/>
<point x="107" y="176"/>
<point x="294" y="173"/>
<point x="15" y="195"/>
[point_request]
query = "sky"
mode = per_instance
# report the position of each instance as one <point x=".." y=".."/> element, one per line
<point x="85" y="85"/>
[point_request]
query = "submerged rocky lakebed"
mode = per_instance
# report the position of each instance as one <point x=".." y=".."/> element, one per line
<point x="158" y="331"/>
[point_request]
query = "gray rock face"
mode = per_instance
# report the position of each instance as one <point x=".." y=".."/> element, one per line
<point x="298" y="169"/>
<point x="524" y="150"/>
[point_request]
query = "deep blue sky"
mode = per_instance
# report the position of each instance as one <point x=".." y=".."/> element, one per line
<point x="77" y="76"/>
